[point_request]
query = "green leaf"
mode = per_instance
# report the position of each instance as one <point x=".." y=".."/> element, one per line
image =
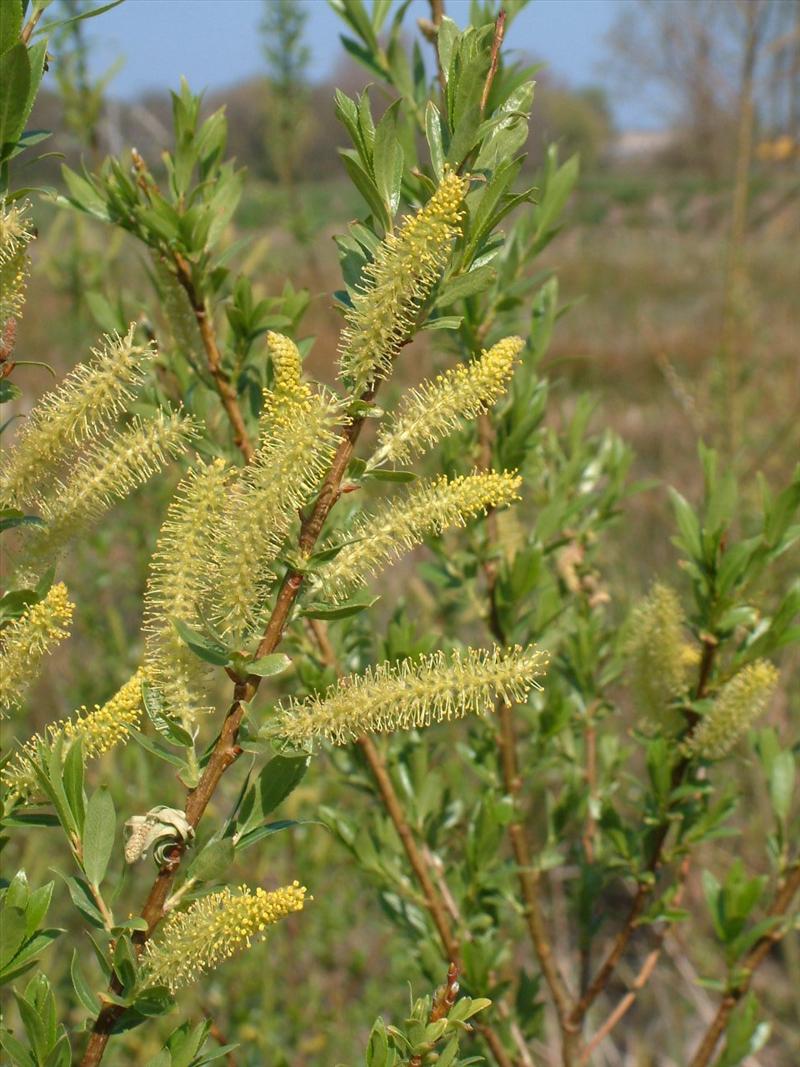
<point x="73" y="783"/>
<point x="88" y="14"/>
<point x="166" y="725"/>
<point x="201" y="646"/>
<point x="10" y="24"/>
<point x="267" y="666"/>
<point x="781" y="784"/>
<point x="82" y="988"/>
<point x="379" y="474"/>
<point x="274" y="784"/>
<point x="8" y="391"/>
<point x="98" y="835"/>
<point x="433" y="135"/>
<point x="13" y="932"/>
<point x="15" y="78"/>
<point x="340" y="611"/>
<point x="213" y="861"/>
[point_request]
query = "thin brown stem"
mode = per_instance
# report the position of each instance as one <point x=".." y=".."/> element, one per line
<point x="434" y="903"/>
<point x="781" y="904"/>
<point x="639" y="982"/>
<point x="494" y="62"/>
<point x="528" y="876"/>
<point x="646" y="886"/>
<point x="30" y="25"/>
<point x="226" y="750"/>
<point x="227" y="393"/>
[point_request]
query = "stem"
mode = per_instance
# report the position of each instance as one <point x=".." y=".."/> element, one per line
<point x="528" y="876"/>
<point x="433" y="900"/>
<point x="644" y="889"/>
<point x="226" y="750"/>
<point x="227" y="393"/>
<point x="497" y="41"/>
<point x="30" y="25"/>
<point x="639" y="982"/>
<point x="745" y="971"/>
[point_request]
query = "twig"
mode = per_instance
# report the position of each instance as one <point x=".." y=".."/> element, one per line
<point x="641" y="979"/>
<point x="433" y="900"/>
<point x="30" y="25"/>
<point x="443" y="1000"/>
<point x="645" y="888"/>
<point x="226" y="750"/>
<point x="528" y="876"/>
<point x="745" y="971"/>
<point x="497" y="41"/>
<point x="227" y="393"/>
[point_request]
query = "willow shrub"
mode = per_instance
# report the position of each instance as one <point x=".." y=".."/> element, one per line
<point x="535" y="853"/>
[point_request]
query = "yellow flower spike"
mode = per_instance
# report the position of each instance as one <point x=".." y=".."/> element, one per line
<point x="293" y="454"/>
<point x="213" y="929"/>
<point x="736" y="707"/>
<point x="397" y="526"/>
<point x="179" y="581"/>
<point x="413" y="693"/>
<point x="431" y="411"/>
<point x="26" y="640"/>
<point x="98" y="730"/>
<point x="106" y="472"/>
<point x="399" y="279"/>
<point x="15" y="236"/>
<point x="78" y="409"/>
<point x="660" y="656"/>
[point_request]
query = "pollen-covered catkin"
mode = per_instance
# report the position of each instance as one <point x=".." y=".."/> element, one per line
<point x="98" y="730"/>
<point x="107" y="471"/>
<point x="660" y="657"/>
<point x="26" y="640"/>
<point x="178" y="584"/>
<point x="295" y="449"/>
<point x="734" y="710"/>
<point x="213" y="929"/>
<point x="399" y="525"/>
<point x="434" y="409"/>
<point x="399" y="279"/>
<point x="16" y="234"/>
<point x="413" y="693"/>
<point x="78" y="409"/>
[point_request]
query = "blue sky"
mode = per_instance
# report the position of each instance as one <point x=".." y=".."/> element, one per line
<point x="216" y="42"/>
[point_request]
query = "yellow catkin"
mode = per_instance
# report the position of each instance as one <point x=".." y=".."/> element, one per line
<point x="177" y="586"/>
<point x="107" y="471"/>
<point x="98" y="730"/>
<point x="399" y="279"/>
<point x="78" y="409"/>
<point x="26" y="640"/>
<point x="660" y="657"/>
<point x="431" y="411"/>
<point x="736" y="707"/>
<point x="213" y="929"/>
<point x="413" y="693"/>
<point x="429" y="508"/>
<point x="16" y="234"/>
<point x="294" y="452"/>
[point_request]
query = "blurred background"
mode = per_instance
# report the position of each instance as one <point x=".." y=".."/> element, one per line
<point x="678" y="263"/>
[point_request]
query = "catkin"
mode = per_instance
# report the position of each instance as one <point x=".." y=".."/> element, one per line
<point x="413" y="693"/>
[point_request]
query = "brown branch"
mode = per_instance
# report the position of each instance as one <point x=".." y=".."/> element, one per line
<point x="745" y="971"/>
<point x="528" y="876"/>
<point x="641" y="979"/>
<point x="30" y="25"/>
<point x="226" y="750"/>
<point x="227" y="393"/>
<point x="433" y="900"/>
<point x="443" y="1000"/>
<point x="646" y="887"/>
<point x="497" y="41"/>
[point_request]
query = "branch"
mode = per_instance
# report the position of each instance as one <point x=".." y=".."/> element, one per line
<point x="645" y="888"/>
<point x="226" y="750"/>
<point x="497" y="41"/>
<point x="528" y="876"/>
<point x="641" y="979"/>
<point x="752" y="961"/>
<point x="433" y="901"/>
<point x="227" y="393"/>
